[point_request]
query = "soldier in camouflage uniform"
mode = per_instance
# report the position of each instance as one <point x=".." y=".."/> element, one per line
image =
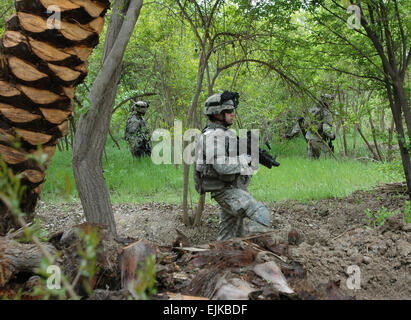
<point x="221" y="170"/>
<point x="316" y="128"/>
<point x="300" y="126"/>
<point x="136" y="132"/>
<point x="320" y="128"/>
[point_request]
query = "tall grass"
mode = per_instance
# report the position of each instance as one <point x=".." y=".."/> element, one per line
<point x="297" y="147"/>
<point x="303" y="179"/>
<point x="140" y="180"/>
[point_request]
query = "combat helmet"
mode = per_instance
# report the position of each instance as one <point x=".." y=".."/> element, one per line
<point x="216" y="103"/>
<point x="327" y="98"/>
<point x="139" y="106"/>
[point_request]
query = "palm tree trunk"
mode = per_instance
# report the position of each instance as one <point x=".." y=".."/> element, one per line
<point x="41" y="63"/>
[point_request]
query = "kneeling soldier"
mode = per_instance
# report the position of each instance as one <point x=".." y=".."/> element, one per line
<point x="221" y="170"/>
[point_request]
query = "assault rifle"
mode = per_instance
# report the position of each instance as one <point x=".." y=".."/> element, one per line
<point x="330" y="143"/>
<point x="266" y="159"/>
<point x="327" y="140"/>
<point x="302" y="128"/>
<point x="263" y="156"/>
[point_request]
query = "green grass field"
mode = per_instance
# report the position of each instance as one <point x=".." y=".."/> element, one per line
<point x="140" y="180"/>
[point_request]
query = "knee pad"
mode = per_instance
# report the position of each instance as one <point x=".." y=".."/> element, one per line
<point x="261" y="215"/>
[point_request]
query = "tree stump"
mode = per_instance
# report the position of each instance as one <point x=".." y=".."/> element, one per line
<point x="132" y="258"/>
<point x="107" y="271"/>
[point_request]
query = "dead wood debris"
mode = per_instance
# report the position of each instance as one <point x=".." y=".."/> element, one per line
<point x="255" y="268"/>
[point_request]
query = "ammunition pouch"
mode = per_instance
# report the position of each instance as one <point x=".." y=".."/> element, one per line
<point x="208" y="180"/>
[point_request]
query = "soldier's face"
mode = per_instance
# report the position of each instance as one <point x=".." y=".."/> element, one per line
<point x="229" y="116"/>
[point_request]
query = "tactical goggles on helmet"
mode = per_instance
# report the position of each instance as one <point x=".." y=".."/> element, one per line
<point x="226" y="98"/>
<point x="327" y="97"/>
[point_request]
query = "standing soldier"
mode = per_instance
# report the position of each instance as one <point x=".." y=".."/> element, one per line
<point x="316" y="128"/>
<point x="226" y="173"/>
<point x="136" y="132"/>
<point x="320" y="131"/>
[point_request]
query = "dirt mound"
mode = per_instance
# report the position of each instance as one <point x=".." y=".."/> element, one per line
<point x="380" y="257"/>
<point x="333" y="242"/>
<point x="337" y="242"/>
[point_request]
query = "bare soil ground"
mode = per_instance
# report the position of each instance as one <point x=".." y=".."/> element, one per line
<point x="333" y="235"/>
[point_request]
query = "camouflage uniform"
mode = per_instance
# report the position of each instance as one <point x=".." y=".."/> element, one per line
<point x="320" y="128"/>
<point x="136" y="132"/>
<point x="219" y="169"/>
<point x="297" y="128"/>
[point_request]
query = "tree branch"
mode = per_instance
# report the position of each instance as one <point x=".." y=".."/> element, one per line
<point x="114" y="57"/>
<point x="216" y="4"/>
<point x="403" y="65"/>
<point x="132" y="98"/>
<point x="406" y="62"/>
<point x="340" y="18"/>
<point x="388" y="38"/>
<point x="377" y="44"/>
<point x="354" y="74"/>
<point x="345" y="39"/>
<point x="193" y="27"/>
<point x="271" y="66"/>
<point x="200" y="13"/>
<point x="6" y="11"/>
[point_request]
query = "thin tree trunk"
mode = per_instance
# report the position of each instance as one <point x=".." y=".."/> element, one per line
<point x="67" y="143"/>
<point x="93" y="127"/>
<point x="356" y="126"/>
<point x="368" y="144"/>
<point x="345" y="141"/>
<point x="382" y="119"/>
<point x="354" y="143"/>
<point x="344" y="129"/>
<point x="114" y="140"/>
<point x="186" y="173"/>
<point x="72" y="123"/>
<point x="201" y="201"/>
<point x="59" y="146"/>
<point x="374" y="137"/>
<point x="338" y="136"/>
<point x="394" y="77"/>
<point x="190" y="122"/>
<point x="400" y="100"/>
<point x="405" y="157"/>
<point x="167" y="107"/>
<point x="191" y="119"/>
<point x="390" y="139"/>
<point x="210" y="83"/>
<point x="199" y="210"/>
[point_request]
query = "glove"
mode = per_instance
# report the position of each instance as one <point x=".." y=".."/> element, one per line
<point x="245" y="161"/>
<point x="249" y="159"/>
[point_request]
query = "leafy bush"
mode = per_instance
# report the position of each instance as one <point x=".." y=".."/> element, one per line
<point x="407" y="212"/>
<point x="378" y="219"/>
